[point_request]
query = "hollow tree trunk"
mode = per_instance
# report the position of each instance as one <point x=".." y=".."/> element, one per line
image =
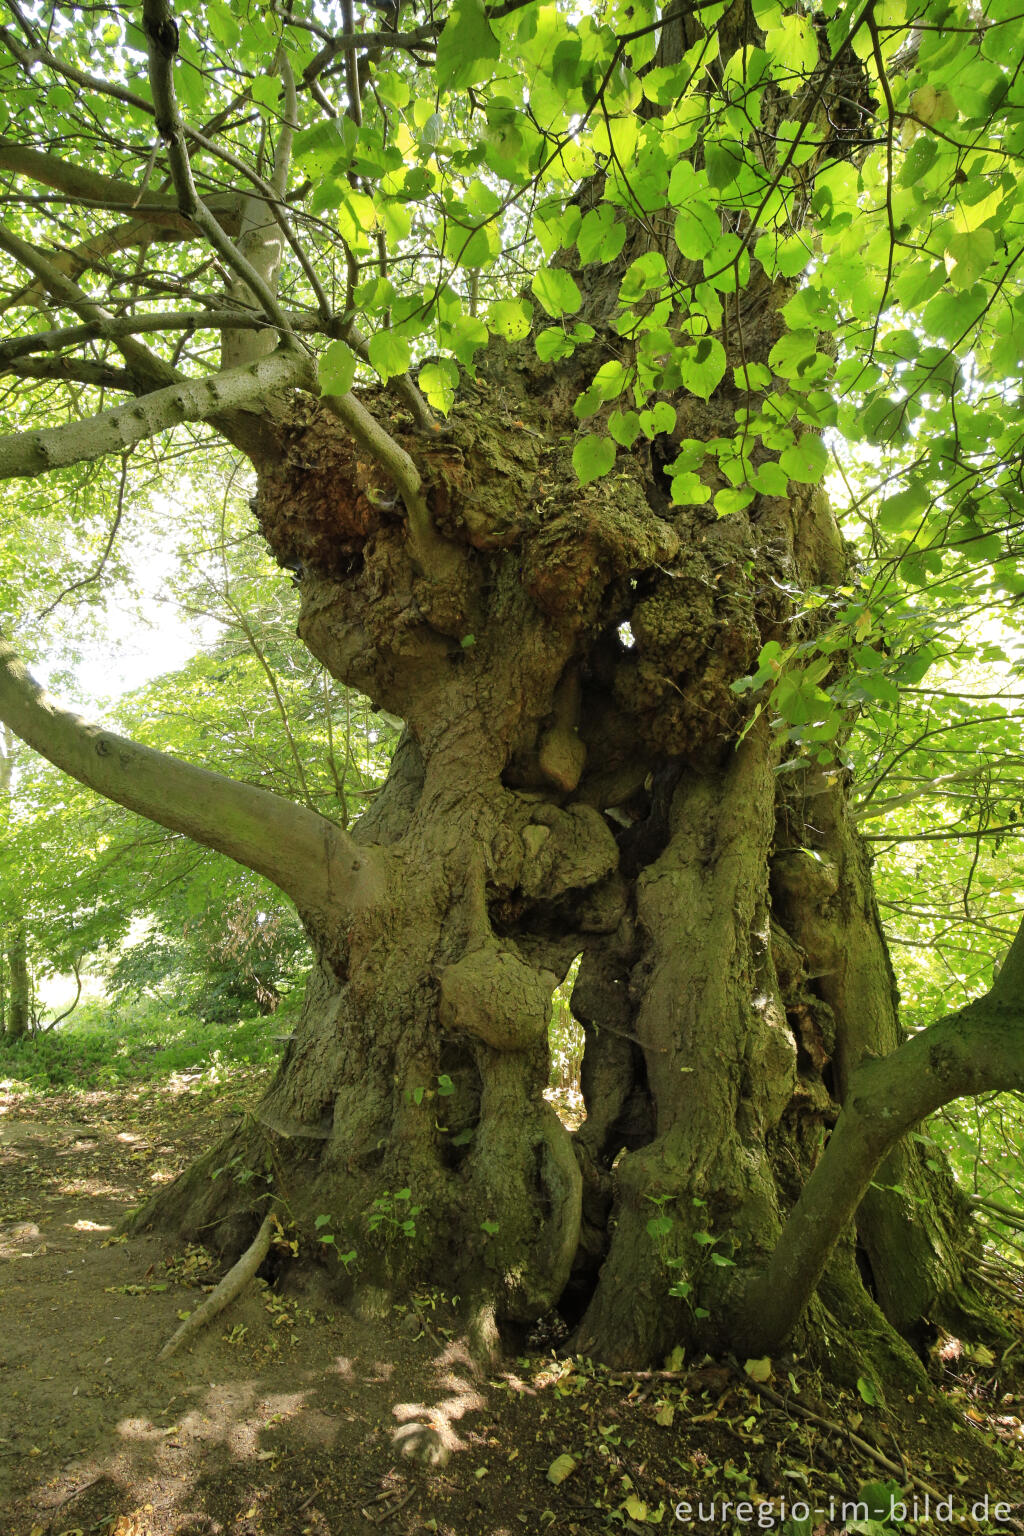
<point x="573" y="782"/>
<point x="578" y="778"/>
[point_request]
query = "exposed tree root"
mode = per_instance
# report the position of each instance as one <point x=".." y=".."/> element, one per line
<point x="232" y="1285"/>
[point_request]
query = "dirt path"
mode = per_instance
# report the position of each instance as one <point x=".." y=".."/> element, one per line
<point x="292" y="1417"/>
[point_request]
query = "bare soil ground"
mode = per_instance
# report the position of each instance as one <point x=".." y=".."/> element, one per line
<point x="292" y="1417"/>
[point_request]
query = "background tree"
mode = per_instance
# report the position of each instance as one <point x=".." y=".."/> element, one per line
<point x="614" y="278"/>
<point x="15" y="978"/>
<point x="101" y="889"/>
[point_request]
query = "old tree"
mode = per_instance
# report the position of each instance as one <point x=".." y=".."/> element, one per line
<point x="537" y="330"/>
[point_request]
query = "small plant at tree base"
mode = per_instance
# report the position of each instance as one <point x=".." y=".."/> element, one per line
<point x="328" y="1239"/>
<point x="659" y="1227"/>
<point x="394" y="1213"/>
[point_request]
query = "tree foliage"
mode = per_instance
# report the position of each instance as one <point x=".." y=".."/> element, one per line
<point x="588" y="304"/>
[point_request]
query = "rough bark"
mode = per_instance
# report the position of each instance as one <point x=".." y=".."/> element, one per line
<point x="566" y="787"/>
<point x="578" y="778"/>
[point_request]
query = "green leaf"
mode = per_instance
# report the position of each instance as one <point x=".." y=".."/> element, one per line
<point x="511" y="318"/>
<point x="600" y="237"/>
<point x="792" y="49"/>
<point x="968" y="256"/>
<point x="697" y="230"/>
<point x="731" y="500"/>
<point x="702" y="367"/>
<point x="439" y="381"/>
<point x="553" y="343"/>
<point x="557" y="291"/>
<point x="901" y="512"/>
<point x="389" y="354"/>
<point x="752" y="376"/>
<point x="689" y="490"/>
<point x="337" y="369"/>
<point x="793" y="353"/>
<point x="592" y="457"/>
<point x="661" y="418"/>
<point x="770" y="479"/>
<point x="624" y="427"/>
<point x="562" y="1467"/>
<point x="806" y="461"/>
<point x="467" y="47"/>
<point x="469" y="334"/>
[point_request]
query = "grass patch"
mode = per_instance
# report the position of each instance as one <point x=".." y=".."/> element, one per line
<point x="105" y="1044"/>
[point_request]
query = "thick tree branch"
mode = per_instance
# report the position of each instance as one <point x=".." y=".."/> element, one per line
<point x="148" y="368"/>
<point x="94" y="252"/>
<point x="401" y="383"/>
<point x="90" y="187"/>
<point x="33" y="453"/>
<point x="115" y="326"/>
<point x="434" y="554"/>
<point x="308" y="857"/>
<point x="979" y="1049"/>
<point x="261" y="239"/>
<point x="75" y="370"/>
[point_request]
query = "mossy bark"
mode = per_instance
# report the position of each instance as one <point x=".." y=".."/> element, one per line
<point x="578" y="778"/>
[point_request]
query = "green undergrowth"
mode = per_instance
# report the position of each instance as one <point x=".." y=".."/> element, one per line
<point x="106" y="1044"/>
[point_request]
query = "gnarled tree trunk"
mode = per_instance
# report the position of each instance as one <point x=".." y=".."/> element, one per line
<point x="578" y="778"/>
